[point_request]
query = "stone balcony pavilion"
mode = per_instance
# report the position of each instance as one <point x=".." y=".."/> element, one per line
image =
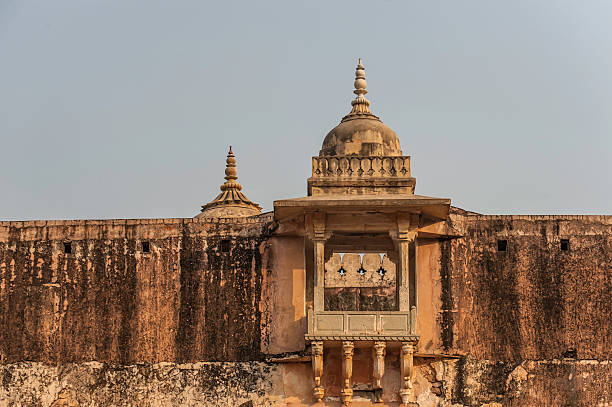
<point x="362" y="218"/>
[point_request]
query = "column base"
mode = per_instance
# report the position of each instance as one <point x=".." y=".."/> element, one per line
<point x="346" y="395"/>
<point x="318" y="392"/>
<point x="378" y="395"/>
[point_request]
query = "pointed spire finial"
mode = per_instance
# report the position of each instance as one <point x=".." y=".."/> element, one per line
<point x="360" y="104"/>
<point x="360" y="82"/>
<point x="230" y="196"/>
<point x="231" y="174"/>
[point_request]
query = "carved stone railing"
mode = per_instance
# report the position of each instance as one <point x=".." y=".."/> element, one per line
<point x="362" y="167"/>
<point x="360" y="175"/>
<point x="361" y="325"/>
<point x="359" y="270"/>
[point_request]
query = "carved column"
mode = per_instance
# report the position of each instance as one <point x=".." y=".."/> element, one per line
<point x="378" y="354"/>
<point x="407" y="372"/>
<point x="317" y="369"/>
<point x="319" y="275"/>
<point x="318" y="235"/>
<point x="347" y="372"/>
<point x="403" y="274"/>
<point x="404" y="236"/>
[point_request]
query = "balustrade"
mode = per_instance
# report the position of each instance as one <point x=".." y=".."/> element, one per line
<point x="361" y="167"/>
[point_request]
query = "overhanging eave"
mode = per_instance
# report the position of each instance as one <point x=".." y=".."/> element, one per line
<point x="436" y="208"/>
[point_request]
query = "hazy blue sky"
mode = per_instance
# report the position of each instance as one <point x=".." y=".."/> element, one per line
<point x="125" y="109"/>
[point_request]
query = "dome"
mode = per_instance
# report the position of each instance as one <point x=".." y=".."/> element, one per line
<point x="360" y="132"/>
<point x="363" y="136"/>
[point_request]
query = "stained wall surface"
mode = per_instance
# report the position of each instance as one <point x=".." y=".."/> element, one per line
<point x="533" y="301"/>
<point x="284" y="296"/>
<point x="108" y="301"/>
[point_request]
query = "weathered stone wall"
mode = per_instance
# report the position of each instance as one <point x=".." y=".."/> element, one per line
<point x="531" y="322"/>
<point x="486" y="383"/>
<point x="163" y="384"/>
<point x="533" y="301"/>
<point x="283" y="305"/>
<point x="108" y="301"/>
<point x="438" y="383"/>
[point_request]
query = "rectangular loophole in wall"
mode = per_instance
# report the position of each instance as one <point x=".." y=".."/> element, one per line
<point x="502" y="245"/>
<point x="225" y="245"/>
<point x="67" y="247"/>
<point x="564" y="244"/>
<point x="146" y="247"/>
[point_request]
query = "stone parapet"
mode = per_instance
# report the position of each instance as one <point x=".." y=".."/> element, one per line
<point x="81" y="229"/>
<point x="264" y="217"/>
<point x="361" y="323"/>
<point x="361" y="166"/>
<point x="360" y="175"/>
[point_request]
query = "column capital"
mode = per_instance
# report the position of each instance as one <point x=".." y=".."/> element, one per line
<point x="348" y="347"/>
<point x="380" y="347"/>
<point x="316" y="227"/>
<point x="403" y="236"/>
<point x="408" y="347"/>
<point x="406" y="227"/>
<point x="317" y="347"/>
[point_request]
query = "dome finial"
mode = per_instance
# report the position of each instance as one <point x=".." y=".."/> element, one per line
<point x="231" y="172"/>
<point x="360" y="104"/>
<point x="230" y="202"/>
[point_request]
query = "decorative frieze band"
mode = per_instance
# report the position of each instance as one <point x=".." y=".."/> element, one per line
<point x="394" y="338"/>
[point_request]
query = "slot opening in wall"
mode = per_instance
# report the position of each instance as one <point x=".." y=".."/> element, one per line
<point x="225" y="245"/>
<point x="502" y="245"/>
<point x="146" y="247"/>
<point x="67" y="247"/>
<point x="564" y="244"/>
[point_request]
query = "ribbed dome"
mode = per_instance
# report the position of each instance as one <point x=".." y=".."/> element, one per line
<point x="360" y="132"/>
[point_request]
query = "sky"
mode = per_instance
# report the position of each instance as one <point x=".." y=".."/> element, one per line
<point x="126" y="109"/>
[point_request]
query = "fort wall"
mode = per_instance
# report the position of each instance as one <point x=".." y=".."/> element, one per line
<point x="108" y="301"/>
<point x="215" y="314"/>
<point x="534" y="300"/>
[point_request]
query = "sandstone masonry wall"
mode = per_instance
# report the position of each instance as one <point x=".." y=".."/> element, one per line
<point x="533" y="301"/>
<point x="109" y="301"/>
